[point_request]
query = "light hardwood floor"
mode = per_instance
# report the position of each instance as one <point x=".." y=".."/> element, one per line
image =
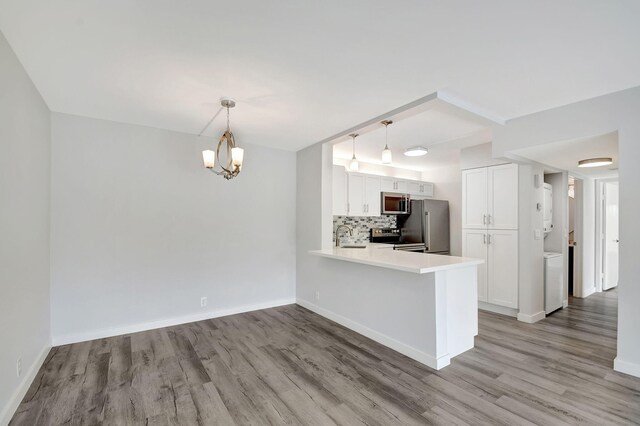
<point x="288" y="365"/>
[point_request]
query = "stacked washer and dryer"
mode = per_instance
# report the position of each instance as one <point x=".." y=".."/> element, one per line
<point x="553" y="262"/>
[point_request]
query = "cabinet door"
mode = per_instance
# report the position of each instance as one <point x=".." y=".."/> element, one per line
<point x="372" y="196"/>
<point x="414" y="187"/>
<point x="356" y="194"/>
<point x="474" y="198"/>
<point x="427" y="189"/>
<point x="474" y="244"/>
<point x="503" y="196"/>
<point x="339" y="195"/>
<point x="401" y="186"/>
<point x="502" y="288"/>
<point x="388" y="184"/>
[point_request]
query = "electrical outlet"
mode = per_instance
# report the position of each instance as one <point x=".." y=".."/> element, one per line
<point x="19" y="366"/>
<point x="317" y="295"/>
<point x="203" y="302"/>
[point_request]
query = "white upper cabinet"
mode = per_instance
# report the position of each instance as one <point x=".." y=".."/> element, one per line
<point x="356" y="194"/>
<point x="388" y="184"/>
<point x="503" y="197"/>
<point x="502" y="260"/>
<point x="490" y="197"/>
<point x="401" y="186"/>
<point x="474" y="198"/>
<point x="372" y="196"/>
<point x="363" y="195"/>
<point x="339" y="195"/>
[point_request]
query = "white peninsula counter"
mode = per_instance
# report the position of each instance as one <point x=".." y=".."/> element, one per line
<point x="421" y="305"/>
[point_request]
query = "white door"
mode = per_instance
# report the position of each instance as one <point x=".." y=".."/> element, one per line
<point x="611" y="236"/>
<point x="503" y="196"/>
<point x="401" y="186"/>
<point x="339" y="195"/>
<point x="356" y="194"/>
<point x="474" y="198"/>
<point x="474" y="244"/>
<point x="388" y="184"/>
<point x="502" y="277"/>
<point x="372" y="196"/>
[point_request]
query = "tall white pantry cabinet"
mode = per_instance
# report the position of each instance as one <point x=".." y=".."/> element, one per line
<point x="490" y="230"/>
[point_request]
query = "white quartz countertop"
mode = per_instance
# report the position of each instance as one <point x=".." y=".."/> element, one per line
<point x="383" y="256"/>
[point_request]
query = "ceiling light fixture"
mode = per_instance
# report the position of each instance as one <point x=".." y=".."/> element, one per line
<point x="416" y="151"/>
<point x="386" y="152"/>
<point x="353" y="164"/>
<point x="595" y="162"/>
<point x="234" y="155"/>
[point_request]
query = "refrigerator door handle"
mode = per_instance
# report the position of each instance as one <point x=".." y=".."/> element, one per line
<point x="427" y="230"/>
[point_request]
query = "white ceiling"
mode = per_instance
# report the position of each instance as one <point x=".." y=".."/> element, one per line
<point x="442" y="132"/>
<point x="302" y="71"/>
<point x="565" y="155"/>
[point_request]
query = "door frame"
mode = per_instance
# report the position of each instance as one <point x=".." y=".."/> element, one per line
<point x="600" y="230"/>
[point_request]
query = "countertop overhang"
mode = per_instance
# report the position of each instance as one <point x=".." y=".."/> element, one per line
<point x="385" y="257"/>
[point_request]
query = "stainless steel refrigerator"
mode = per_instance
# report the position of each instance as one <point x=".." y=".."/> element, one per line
<point x="428" y="223"/>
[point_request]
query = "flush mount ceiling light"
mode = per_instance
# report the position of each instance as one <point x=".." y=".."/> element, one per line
<point x="386" y="152"/>
<point x="595" y="162"/>
<point x="234" y="156"/>
<point x="353" y="164"/>
<point x="416" y="151"/>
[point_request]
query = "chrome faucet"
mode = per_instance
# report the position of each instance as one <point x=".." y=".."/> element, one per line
<point x="337" y="233"/>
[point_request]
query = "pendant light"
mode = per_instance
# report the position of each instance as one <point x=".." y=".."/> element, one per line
<point x="234" y="154"/>
<point x="353" y="164"/>
<point x="386" y="152"/>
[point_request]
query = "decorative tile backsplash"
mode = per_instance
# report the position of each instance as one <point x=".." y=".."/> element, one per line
<point x="361" y="226"/>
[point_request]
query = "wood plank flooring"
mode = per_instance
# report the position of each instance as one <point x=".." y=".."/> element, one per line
<point x="288" y="365"/>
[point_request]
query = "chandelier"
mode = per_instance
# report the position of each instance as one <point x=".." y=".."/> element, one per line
<point x="234" y="156"/>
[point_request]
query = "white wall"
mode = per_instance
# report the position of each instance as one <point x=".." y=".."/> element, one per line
<point x="530" y="249"/>
<point x="448" y="186"/>
<point x="24" y="230"/>
<point x="616" y="111"/>
<point x="141" y="230"/>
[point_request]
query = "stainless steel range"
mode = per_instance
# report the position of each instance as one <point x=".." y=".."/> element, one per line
<point x="393" y="236"/>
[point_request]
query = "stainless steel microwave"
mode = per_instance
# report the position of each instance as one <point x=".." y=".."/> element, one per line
<point x="394" y="203"/>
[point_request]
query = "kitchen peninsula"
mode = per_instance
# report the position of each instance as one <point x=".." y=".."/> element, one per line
<point x="421" y="305"/>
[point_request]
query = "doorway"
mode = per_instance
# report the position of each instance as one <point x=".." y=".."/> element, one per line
<point x="608" y="234"/>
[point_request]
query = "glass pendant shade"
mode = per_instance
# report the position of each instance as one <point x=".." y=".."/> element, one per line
<point x="386" y="155"/>
<point x="353" y="164"/>
<point x="237" y="156"/>
<point x="209" y="158"/>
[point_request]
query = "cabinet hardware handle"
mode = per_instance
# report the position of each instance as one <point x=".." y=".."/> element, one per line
<point x="489" y="239"/>
<point x="484" y="219"/>
<point x="489" y="219"/>
<point x="484" y="238"/>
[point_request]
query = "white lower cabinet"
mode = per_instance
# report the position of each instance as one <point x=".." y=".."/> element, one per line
<point x="498" y="276"/>
<point x="474" y="244"/>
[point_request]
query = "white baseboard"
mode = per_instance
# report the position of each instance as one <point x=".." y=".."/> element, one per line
<point x="496" y="309"/>
<point x="411" y="352"/>
<point x="625" y="367"/>
<point x="66" y="339"/>
<point x="12" y="405"/>
<point x="565" y="303"/>
<point x="530" y="319"/>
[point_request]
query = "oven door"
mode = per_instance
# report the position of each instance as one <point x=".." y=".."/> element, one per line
<point x="393" y="203"/>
